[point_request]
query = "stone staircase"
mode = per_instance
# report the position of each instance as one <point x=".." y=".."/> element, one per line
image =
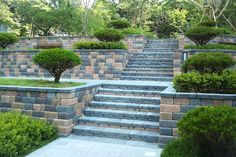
<point x="123" y="111"/>
<point x="155" y="63"/>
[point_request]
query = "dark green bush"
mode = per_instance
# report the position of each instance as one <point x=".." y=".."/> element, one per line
<point x="109" y="35"/>
<point x="7" y="39"/>
<point x="56" y="61"/>
<point x="201" y="35"/>
<point x="208" y="23"/>
<point x="20" y="134"/>
<point x="99" y="45"/>
<point x="206" y="83"/>
<point x="119" y="24"/>
<point x="179" y="148"/>
<point x="212" y="130"/>
<point x="211" y="46"/>
<point x="208" y="62"/>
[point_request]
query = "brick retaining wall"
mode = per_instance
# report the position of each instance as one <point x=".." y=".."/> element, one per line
<point x="174" y="105"/>
<point x="61" y="107"/>
<point x="97" y="64"/>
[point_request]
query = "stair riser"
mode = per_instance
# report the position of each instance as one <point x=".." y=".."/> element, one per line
<point x="134" y="87"/>
<point x="148" y="70"/>
<point x="127" y="100"/>
<point x="153" y="60"/>
<point x="147" y="74"/>
<point x="150" y="63"/>
<point x="117" y="136"/>
<point x="129" y="127"/>
<point x="157" y="110"/>
<point x="149" y="66"/>
<point x="130" y="94"/>
<point x="147" y="79"/>
<point x="153" y="118"/>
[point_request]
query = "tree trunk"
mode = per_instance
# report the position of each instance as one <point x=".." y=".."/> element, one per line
<point x="57" y="78"/>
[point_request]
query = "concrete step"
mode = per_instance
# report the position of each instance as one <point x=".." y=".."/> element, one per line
<point x="153" y="74"/>
<point x="125" y="106"/>
<point x="135" y="87"/>
<point x="127" y="99"/>
<point x="151" y="59"/>
<point x="162" y="66"/>
<point x="150" y="63"/>
<point x="164" y="70"/>
<point x="135" y="115"/>
<point x="119" y="123"/>
<point x="147" y="78"/>
<point x="109" y="91"/>
<point x="117" y="133"/>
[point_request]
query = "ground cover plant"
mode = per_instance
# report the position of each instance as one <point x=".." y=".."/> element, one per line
<point x="211" y="46"/>
<point x="206" y="132"/>
<point x="21" y="134"/>
<point x="99" y="45"/>
<point x="38" y="83"/>
<point x="56" y="61"/>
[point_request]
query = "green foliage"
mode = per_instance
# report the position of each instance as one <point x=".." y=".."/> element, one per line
<point x="179" y="148"/>
<point x="211" y="129"/>
<point x="201" y="35"/>
<point x="206" y="83"/>
<point x="109" y="35"/>
<point x="7" y="39"/>
<point x="99" y="45"/>
<point x="56" y="61"/>
<point x="208" y="23"/>
<point x="20" y="134"/>
<point x="119" y="24"/>
<point x="137" y="31"/>
<point x="208" y="62"/>
<point x="211" y="46"/>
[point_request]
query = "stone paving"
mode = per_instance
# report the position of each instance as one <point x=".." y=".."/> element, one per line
<point x="83" y="146"/>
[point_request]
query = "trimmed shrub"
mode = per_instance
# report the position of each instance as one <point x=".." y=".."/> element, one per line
<point x="179" y="148"/>
<point x="201" y="35"/>
<point x="206" y="83"/>
<point x="109" y="35"/>
<point x="56" y="61"/>
<point x="212" y="130"/>
<point x="212" y="46"/>
<point x="7" y="39"/>
<point x="99" y="45"/>
<point x="208" y="23"/>
<point x="20" y="134"/>
<point x="119" y="24"/>
<point x="208" y="62"/>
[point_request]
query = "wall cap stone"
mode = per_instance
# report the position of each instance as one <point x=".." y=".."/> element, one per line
<point x="208" y="50"/>
<point x="171" y="92"/>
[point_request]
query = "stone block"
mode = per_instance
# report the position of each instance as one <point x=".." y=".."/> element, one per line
<point x="39" y="107"/>
<point x="51" y="115"/>
<point x="69" y="101"/>
<point x="181" y="101"/>
<point x="167" y="101"/>
<point x="65" y="95"/>
<point x="168" y="123"/>
<point x="169" y="108"/>
<point x="65" y="130"/>
<point x="6" y="98"/>
<point x="166" y="116"/>
<point x="175" y="132"/>
<point x="195" y="101"/>
<point x="62" y="122"/>
<point x="166" y="131"/>
<point x="217" y="102"/>
<point x="18" y="105"/>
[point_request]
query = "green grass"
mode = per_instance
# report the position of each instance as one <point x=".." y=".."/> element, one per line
<point x="212" y="46"/>
<point x="38" y="83"/>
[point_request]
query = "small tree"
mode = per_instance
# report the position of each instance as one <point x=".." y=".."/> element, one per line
<point x="57" y="61"/>
<point x="7" y="39"/>
<point x="109" y="35"/>
<point x="119" y="24"/>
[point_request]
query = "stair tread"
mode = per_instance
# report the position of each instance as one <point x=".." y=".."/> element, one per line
<point x="122" y="112"/>
<point x="127" y="122"/>
<point x="146" y="77"/>
<point x="117" y="131"/>
<point x="131" y="91"/>
<point x="132" y="97"/>
<point x="127" y="105"/>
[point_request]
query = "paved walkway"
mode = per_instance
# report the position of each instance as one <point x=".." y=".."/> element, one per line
<point x="83" y="146"/>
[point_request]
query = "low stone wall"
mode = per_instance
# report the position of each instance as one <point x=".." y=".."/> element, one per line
<point x="97" y="64"/>
<point x="135" y="43"/>
<point x="219" y="39"/>
<point x="61" y="107"/>
<point x="174" y="105"/>
<point x="181" y="55"/>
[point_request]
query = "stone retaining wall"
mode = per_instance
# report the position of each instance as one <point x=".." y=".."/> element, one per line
<point x="97" y="64"/>
<point x="61" y="107"/>
<point x="174" y="105"/>
<point x="135" y="43"/>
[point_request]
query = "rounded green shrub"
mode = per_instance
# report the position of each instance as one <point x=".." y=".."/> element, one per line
<point x="208" y="23"/>
<point x="201" y="35"/>
<point x="7" y="39"/>
<point x="56" y="61"/>
<point x="212" y="130"/>
<point x="119" y="24"/>
<point x="206" y="83"/>
<point x="109" y="35"/>
<point x="208" y="62"/>
<point x="20" y="134"/>
<point x="99" y="45"/>
<point x="179" y="148"/>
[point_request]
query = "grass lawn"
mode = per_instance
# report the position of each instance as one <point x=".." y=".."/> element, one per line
<point x="38" y="83"/>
